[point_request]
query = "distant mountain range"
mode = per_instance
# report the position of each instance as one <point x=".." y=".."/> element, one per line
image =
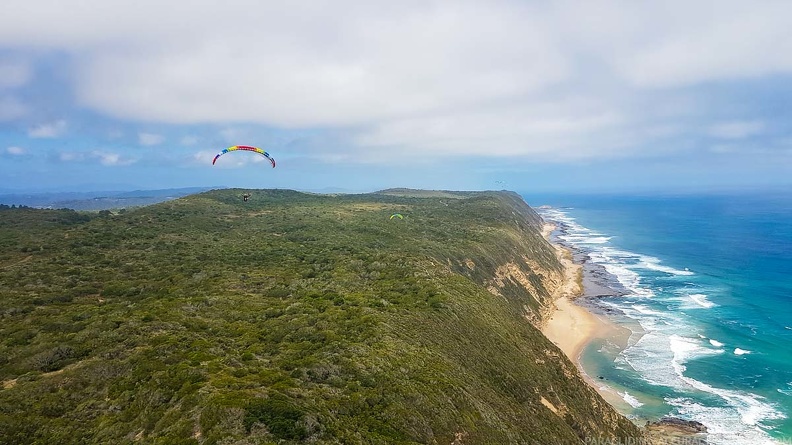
<point x="98" y="200"/>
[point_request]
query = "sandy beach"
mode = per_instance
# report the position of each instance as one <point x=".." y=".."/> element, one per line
<point x="579" y="317"/>
<point x="571" y="327"/>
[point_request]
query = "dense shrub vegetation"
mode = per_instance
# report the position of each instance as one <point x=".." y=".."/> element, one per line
<point x="288" y="318"/>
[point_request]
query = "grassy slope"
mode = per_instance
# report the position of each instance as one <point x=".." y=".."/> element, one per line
<point x="291" y="317"/>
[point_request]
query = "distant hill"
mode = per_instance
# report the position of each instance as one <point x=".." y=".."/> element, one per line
<point x="102" y="200"/>
<point x="288" y="318"/>
<point x="412" y="193"/>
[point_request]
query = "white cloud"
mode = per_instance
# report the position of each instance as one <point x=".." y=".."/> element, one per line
<point x="49" y="130"/>
<point x="298" y="66"/>
<point x="683" y="43"/>
<point x="16" y="151"/>
<point x="149" y="139"/>
<point x="111" y="159"/>
<point x="533" y="132"/>
<point x="203" y="158"/>
<point x="103" y="157"/>
<point x="736" y="129"/>
<point x="442" y="77"/>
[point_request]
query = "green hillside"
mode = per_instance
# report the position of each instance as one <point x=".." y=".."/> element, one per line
<point x="289" y="318"/>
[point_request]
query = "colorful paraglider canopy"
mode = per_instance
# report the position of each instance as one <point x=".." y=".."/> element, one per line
<point x="397" y="215"/>
<point x="245" y="148"/>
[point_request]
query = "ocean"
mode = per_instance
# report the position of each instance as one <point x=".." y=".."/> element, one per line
<point x="703" y="283"/>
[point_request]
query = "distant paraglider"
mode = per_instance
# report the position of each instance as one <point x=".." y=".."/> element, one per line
<point x="245" y="196"/>
<point x="245" y="148"/>
<point x="397" y="215"/>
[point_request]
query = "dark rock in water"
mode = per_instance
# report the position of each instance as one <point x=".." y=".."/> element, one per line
<point x="687" y="426"/>
<point x="671" y="430"/>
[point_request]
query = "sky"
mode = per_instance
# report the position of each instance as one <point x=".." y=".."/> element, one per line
<point x="563" y="96"/>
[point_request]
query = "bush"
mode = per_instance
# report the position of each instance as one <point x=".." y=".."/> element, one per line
<point x="279" y="414"/>
<point x="53" y="359"/>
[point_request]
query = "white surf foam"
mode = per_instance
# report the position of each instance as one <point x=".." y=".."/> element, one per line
<point x="686" y="349"/>
<point x="630" y="399"/>
<point x="620" y="264"/>
<point x="651" y="357"/>
<point x="670" y="340"/>
<point x="738" y="351"/>
<point x="659" y="357"/>
<point x="585" y="238"/>
<point x="643" y="309"/>
<point x="744" y="413"/>
<point x="725" y="425"/>
<point x="629" y="279"/>
<point x="701" y="300"/>
<point x="652" y="263"/>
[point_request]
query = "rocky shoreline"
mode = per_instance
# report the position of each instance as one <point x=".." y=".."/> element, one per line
<point x="673" y="430"/>
<point x="598" y="283"/>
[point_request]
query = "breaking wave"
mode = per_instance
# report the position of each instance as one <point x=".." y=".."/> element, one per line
<point x="671" y="339"/>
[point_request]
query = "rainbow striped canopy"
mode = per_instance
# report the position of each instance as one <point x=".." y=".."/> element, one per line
<point x="245" y="148"/>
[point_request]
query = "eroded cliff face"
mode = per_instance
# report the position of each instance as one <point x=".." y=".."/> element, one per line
<point x="539" y="286"/>
<point x="523" y="269"/>
<point x="520" y="266"/>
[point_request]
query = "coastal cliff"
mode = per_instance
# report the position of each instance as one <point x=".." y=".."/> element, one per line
<point x="288" y="318"/>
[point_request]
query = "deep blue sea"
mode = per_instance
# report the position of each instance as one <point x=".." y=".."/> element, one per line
<point x="708" y="284"/>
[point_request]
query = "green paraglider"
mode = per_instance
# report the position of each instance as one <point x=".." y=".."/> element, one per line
<point x="397" y="215"/>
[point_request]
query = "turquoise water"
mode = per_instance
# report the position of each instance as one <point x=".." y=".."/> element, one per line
<point x="709" y="298"/>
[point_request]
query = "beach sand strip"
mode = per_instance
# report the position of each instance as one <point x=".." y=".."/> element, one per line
<point x="572" y="327"/>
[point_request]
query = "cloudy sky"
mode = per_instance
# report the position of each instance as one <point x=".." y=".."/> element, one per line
<point x="362" y="95"/>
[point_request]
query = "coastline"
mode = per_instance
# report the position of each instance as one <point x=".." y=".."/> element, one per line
<point x="577" y="319"/>
<point x="572" y="326"/>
